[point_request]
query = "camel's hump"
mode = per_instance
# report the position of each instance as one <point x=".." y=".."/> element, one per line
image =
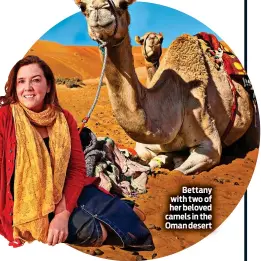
<point x="184" y="38"/>
<point x="185" y="56"/>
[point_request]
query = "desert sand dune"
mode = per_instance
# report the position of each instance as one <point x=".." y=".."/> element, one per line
<point x="69" y="61"/>
<point x="229" y="180"/>
<point x="74" y="61"/>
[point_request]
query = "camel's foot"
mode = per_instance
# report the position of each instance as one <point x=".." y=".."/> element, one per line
<point x="200" y="159"/>
<point x="168" y="159"/>
<point x="146" y="152"/>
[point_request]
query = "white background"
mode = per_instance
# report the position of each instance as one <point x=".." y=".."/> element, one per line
<point x="23" y="22"/>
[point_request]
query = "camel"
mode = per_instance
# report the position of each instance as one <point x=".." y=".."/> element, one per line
<point x="151" y="50"/>
<point x="186" y="106"/>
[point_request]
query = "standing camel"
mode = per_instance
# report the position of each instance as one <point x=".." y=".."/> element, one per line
<point x="187" y="105"/>
<point x="151" y="50"/>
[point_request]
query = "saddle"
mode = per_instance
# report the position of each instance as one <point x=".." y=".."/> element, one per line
<point x="224" y="56"/>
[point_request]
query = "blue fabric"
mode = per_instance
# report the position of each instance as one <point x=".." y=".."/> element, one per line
<point x="123" y="225"/>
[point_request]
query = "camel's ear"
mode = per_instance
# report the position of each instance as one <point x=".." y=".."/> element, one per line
<point x="123" y="4"/>
<point x="82" y="5"/>
<point x="139" y="40"/>
<point x="161" y="38"/>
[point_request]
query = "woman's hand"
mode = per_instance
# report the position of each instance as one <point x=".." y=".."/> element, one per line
<point x="58" y="229"/>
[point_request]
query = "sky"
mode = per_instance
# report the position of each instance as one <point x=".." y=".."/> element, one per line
<point x="172" y="23"/>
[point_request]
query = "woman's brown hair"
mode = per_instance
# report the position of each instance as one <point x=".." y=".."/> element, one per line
<point x="10" y="86"/>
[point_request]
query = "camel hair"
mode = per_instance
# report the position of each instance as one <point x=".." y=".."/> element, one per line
<point x="187" y="105"/>
<point x="151" y="50"/>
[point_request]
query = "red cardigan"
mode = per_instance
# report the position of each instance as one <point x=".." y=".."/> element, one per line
<point x="75" y="178"/>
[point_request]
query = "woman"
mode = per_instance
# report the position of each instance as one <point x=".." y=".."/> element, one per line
<point x="45" y="194"/>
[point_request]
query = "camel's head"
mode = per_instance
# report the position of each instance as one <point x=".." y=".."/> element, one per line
<point x="151" y="45"/>
<point x="108" y="20"/>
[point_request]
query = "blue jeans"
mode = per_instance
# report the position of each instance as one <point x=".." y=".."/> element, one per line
<point x="122" y="224"/>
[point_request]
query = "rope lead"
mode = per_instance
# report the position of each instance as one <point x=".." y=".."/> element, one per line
<point x="104" y="51"/>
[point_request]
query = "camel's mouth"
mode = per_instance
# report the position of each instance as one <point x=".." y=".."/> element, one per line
<point x="103" y="31"/>
<point x="153" y="49"/>
<point x="102" y="24"/>
<point x="149" y="52"/>
<point x="107" y="20"/>
<point x="101" y="21"/>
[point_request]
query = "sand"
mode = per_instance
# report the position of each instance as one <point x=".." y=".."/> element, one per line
<point x="229" y="179"/>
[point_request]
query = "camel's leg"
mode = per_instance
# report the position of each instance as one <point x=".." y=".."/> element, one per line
<point x="202" y="157"/>
<point x="150" y="153"/>
<point x="146" y="152"/>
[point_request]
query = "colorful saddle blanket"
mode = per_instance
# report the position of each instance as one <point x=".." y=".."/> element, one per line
<point x="221" y="50"/>
<point x="223" y="55"/>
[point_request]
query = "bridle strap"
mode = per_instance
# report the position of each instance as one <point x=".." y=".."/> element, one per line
<point x="103" y="47"/>
<point x="112" y="5"/>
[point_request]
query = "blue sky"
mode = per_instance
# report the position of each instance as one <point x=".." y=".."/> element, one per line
<point x="172" y="23"/>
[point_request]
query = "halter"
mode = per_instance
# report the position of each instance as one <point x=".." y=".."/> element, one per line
<point x="102" y="43"/>
<point x="112" y="5"/>
<point x="103" y="47"/>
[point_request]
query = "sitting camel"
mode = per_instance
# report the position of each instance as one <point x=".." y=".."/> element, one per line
<point x="187" y="105"/>
<point x="151" y="50"/>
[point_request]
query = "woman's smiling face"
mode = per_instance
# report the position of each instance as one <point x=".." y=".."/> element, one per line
<point x="31" y="87"/>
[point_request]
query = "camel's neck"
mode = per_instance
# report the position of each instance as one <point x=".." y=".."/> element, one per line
<point x="142" y="112"/>
<point x="151" y="70"/>
<point x="125" y="90"/>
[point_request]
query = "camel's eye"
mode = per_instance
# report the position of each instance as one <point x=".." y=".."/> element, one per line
<point x="83" y="7"/>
